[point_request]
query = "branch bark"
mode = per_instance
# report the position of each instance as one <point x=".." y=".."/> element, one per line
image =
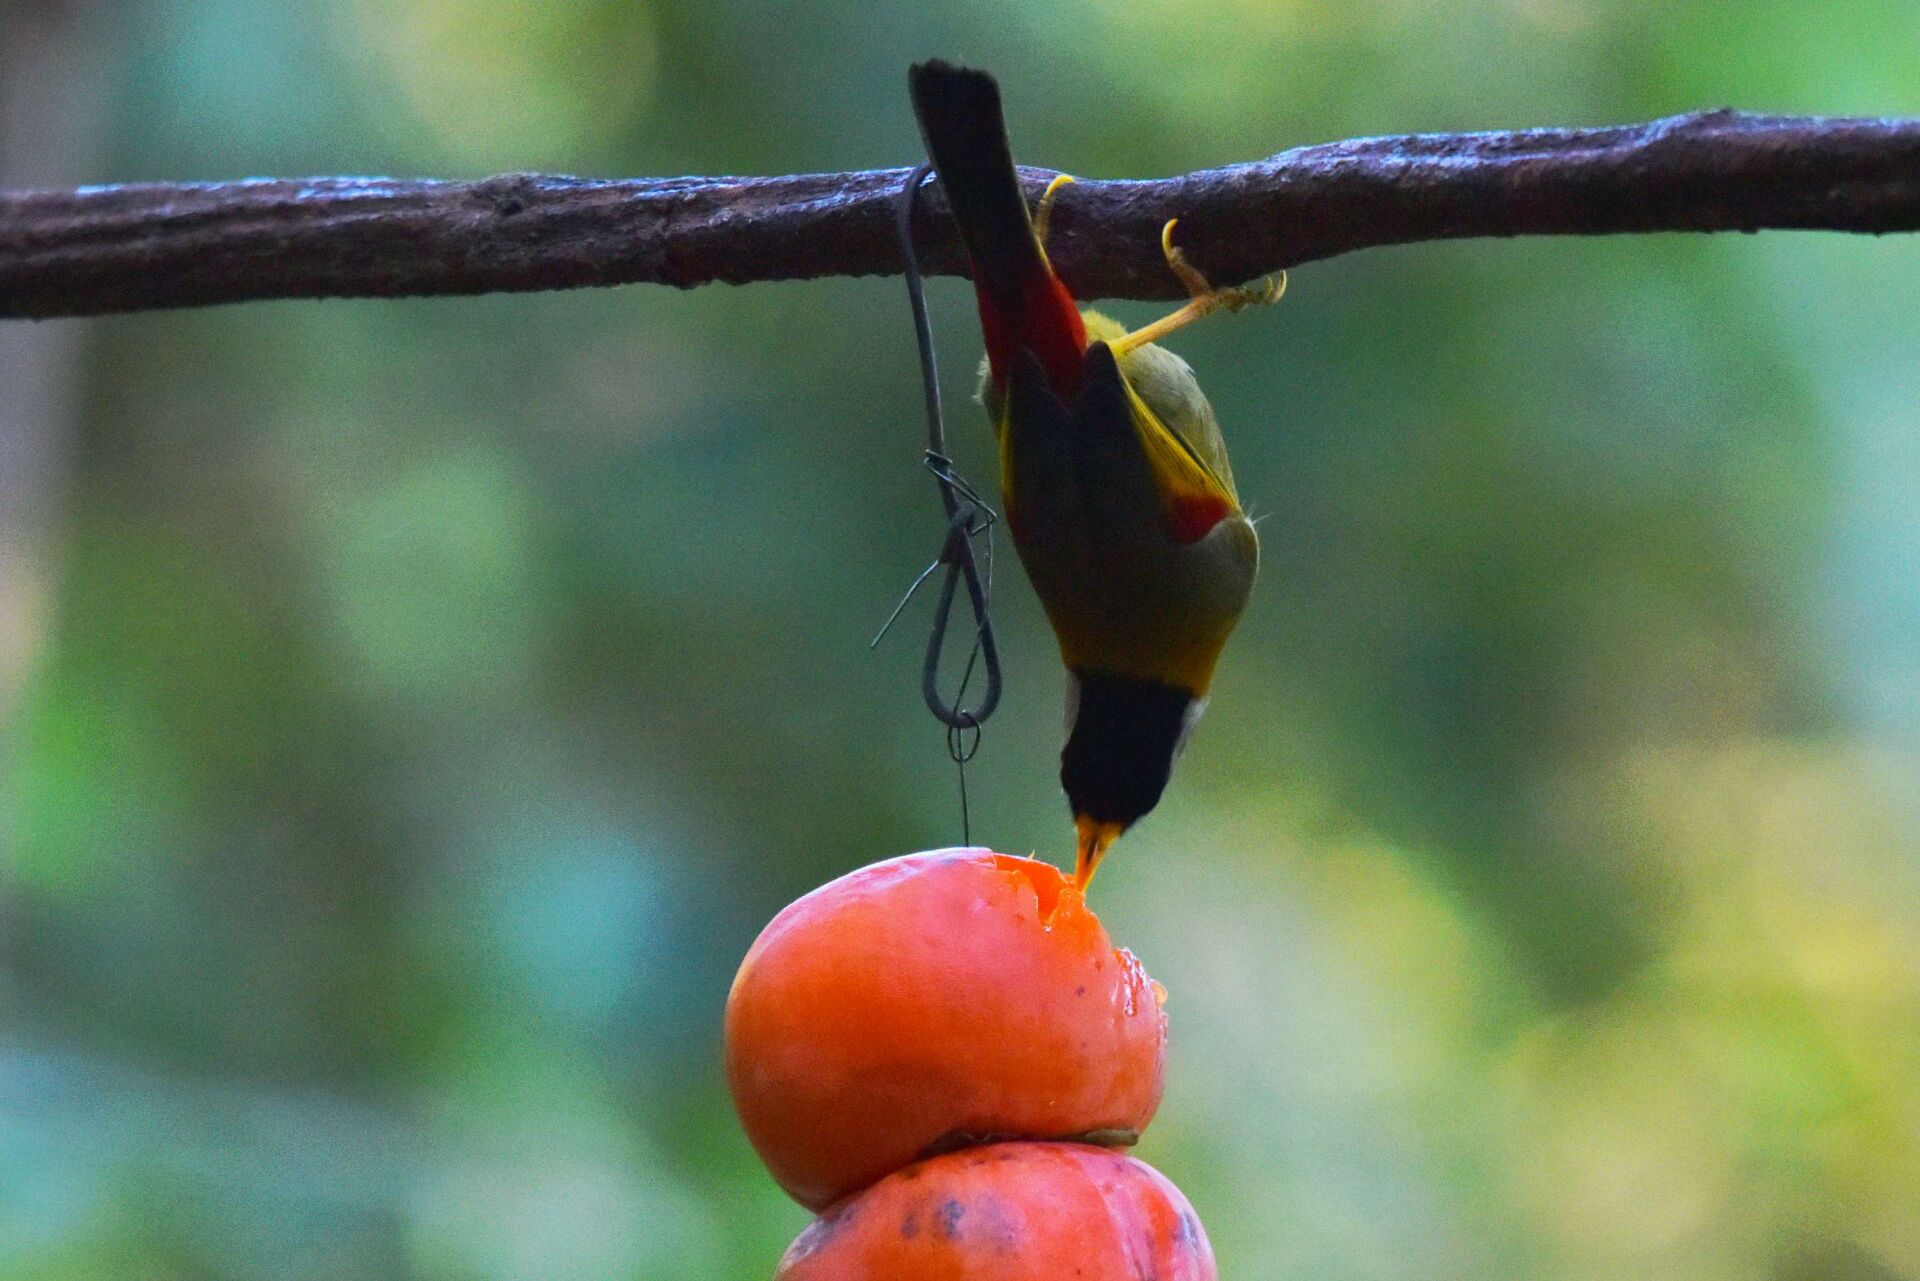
<point x="138" y="247"/>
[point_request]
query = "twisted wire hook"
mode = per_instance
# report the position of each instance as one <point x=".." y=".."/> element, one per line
<point x="968" y="517"/>
<point x="967" y="514"/>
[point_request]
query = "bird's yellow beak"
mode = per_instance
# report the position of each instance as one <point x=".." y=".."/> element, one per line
<point x="1095" y="837"/>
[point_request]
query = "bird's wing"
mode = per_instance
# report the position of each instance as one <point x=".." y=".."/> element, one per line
<point x="1165" y="387"/>
<point x="1188" y="462"/>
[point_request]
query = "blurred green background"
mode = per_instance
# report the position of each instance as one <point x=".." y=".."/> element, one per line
<point x="413" y="709"/>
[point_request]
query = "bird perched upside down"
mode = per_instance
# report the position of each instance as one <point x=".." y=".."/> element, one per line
<point x="1113" y="474"/>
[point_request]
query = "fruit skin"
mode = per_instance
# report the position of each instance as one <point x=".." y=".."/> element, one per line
<point x="1010" y="1212"/>
<point x="928" y="1002"/>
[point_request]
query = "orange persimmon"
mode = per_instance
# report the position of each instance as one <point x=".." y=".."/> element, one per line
<point x="1009" y="1212"/>
<point x="930" y="1002"/>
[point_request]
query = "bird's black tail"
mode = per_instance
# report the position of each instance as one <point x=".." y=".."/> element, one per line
<point x="1023" y="305"/>
<point x="959" y="113"/>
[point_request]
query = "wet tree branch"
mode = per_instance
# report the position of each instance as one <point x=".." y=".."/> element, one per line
<point x="137" y="247"/>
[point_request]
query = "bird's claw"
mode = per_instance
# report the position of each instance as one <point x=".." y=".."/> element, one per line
<point x="1043" y="214"/>
<point x="1203" y="298"/>
<point x="1203" y="294"/>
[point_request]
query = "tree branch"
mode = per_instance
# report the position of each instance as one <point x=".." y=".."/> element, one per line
<point x="136" y="247"/>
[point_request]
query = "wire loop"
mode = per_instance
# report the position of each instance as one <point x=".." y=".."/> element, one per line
<point x="957" y="555"/>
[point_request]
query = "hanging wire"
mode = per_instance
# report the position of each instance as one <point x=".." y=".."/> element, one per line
<point x="968" y="517"/>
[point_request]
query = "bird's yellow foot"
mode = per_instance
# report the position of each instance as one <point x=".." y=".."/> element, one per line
<point x="1095" y="837"/>
<point x="1043" y="214"/>
<point x="1204" y="299"/>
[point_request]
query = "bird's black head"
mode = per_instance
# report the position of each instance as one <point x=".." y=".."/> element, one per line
<point x="1123" y="736"/>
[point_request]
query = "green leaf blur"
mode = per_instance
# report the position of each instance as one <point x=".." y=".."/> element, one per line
<point x="414" y="709"/>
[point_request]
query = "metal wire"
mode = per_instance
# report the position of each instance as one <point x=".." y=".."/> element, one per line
<point x="968" y="517"/>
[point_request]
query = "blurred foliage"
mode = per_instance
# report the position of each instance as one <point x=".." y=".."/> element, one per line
<point x="436" y="697"/>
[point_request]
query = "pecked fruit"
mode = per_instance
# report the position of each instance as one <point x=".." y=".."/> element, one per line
<point x="932" y="1002"/>
<point x="1010" y="1212"/>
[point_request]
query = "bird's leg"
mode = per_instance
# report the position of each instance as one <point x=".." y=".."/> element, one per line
<point x="1205" y="299"/>
<point x="1044" y="213"/>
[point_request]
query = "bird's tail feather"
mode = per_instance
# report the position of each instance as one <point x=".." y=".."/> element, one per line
<point x="966" y="137"/>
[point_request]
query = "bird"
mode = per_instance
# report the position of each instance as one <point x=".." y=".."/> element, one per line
<point x="1114" y="477"/>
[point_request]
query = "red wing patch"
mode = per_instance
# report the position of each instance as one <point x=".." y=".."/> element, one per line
<point x="1191" y="517"/>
